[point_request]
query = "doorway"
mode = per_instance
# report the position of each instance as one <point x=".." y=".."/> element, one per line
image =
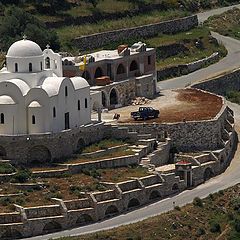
<point x="67" y="124"/>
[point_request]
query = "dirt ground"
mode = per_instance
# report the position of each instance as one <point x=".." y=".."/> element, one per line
<point x="175" y="106"/>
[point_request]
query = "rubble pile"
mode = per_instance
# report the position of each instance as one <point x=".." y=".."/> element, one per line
<point x="140" y="101"/>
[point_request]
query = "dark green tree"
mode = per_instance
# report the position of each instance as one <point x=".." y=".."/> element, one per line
<point x="93" y="2"/>
<point x="16" y="22"/>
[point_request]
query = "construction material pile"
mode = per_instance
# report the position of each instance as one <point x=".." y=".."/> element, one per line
<point x="140" y="101"/>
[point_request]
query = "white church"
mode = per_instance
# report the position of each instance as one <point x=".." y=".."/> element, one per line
<point x="35" y="97"/>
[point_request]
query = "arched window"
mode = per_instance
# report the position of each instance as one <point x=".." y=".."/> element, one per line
<point x="54" y="112"/>
<point x="47" y="62"/>
<point x="41" y="66"/>
<point x="16" y="67"/>
<point x="30" y="67"/>
<point x="33" y="119"/>
<point x="79" y="106"/>
<point x="2" y="118"/>
<point x="120" y="69"/>
<point x="86" y="103"/>
<point x="98" y="73"/>
<point x="133" y="66"/>
<point x="66" y="91"/>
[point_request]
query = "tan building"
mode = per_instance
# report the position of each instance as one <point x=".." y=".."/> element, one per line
<point x="120" y="75"/>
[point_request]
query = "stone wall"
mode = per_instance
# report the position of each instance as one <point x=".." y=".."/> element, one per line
<point x="106" y="163"/>
<point x="184" y="69"/>
<point x="168" y="27"/>
<point x="189" y="135"/>
<point x="160" y="156"/>
<point x="221" y="84"/>
<point x="21" y="149"/>
<point x="122" y="197"/>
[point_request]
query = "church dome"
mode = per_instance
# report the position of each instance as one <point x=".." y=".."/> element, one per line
<point x="24" y="48"/>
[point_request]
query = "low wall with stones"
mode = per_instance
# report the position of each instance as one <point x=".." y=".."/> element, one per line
<point x="160" y="156"/>
<point x="221" y="84"/>
<point x="168" y="27"/>
<point x="189" y="136"/>
<point x="106" y="163"/>
<point x="216" y="135"/>
<point x="122" y="197"/>
<point x="184" y="69"/>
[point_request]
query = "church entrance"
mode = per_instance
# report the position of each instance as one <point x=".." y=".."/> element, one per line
<point x="67" y="124"/>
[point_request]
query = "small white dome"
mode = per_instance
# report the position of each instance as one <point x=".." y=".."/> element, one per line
<point x="34" y="104"/>
<point x="24" y="48"/>
<point x="4" y="99"/>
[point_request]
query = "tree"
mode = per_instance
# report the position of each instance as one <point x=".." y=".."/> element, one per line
<point x="93" y="2"/>
<point x="16" y="22"/>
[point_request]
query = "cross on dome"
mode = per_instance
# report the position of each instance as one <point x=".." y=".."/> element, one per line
<point x="24" y="37"/>
<point x="48" y="46"/>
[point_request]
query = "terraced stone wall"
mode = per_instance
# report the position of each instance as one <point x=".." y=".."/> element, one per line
<point x="168" y="27"/>
<point x="221" y="84"/>
<point x="190" y="135"/>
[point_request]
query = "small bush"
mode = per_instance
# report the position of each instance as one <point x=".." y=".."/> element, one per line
<point x="215" y="227"/>
<point x="5" y="201"/>
<point x="22" y="176"/>
<point x="177" y="208"/>
<point x="230" y="216"/>
<point x="211" y="196"/>
<point x="100" y="187"/>
<point x="237" y="225"/>
<point x="236" y="204"/>
<point x="197" y="202"/>
<point x="201" y="231"/>
<point x="221" y="192"/>
<point x="6" y="168"/>
<point x="93" y="173"/>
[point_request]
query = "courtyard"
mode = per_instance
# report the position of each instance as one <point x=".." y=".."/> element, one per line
<point x="174" y="106"/>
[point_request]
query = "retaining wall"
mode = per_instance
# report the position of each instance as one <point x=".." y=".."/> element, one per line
<point x="189" y="136"/>
<point x="168" y="27"/>
<point x="184" y="69"/>
<point x="99" y="205"/>
<point x="221" y="84"/>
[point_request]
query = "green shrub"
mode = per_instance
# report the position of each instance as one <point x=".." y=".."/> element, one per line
<point x="215" y="227"/>
<point x="237" y="225"/>
<point x="197" y="202"/>
<point x="177" y="208"/>
<point x="6" y="168"/>
<point x="5" y="201"/>
<point x="211" y="196"/>
<point x="201" y="231"/>
<point x="236" y="204"/>
<point x="22" y="176"/>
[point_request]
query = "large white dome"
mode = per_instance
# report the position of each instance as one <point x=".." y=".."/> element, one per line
<point x="24" y="48"/>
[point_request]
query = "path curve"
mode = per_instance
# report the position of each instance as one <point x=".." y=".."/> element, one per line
<point x="230" y="62"/>
<point x="229" y="178"/>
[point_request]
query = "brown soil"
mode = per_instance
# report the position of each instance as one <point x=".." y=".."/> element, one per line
<point x="189" y="105"/>
<point x="62" y="187"/>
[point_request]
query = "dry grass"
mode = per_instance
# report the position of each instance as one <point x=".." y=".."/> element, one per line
<point x="66" y="187"/>
<point x="226" y="23"/>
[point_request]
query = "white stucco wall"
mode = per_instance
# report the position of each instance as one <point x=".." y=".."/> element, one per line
<point x="36" y="93"/>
